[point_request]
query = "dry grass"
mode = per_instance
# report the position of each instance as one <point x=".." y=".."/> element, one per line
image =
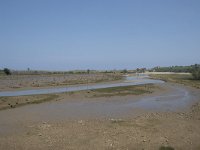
<point x="185" y="79"/>
<point x="16" y="101"/>
<point x="124" y="90"/>
<point x="12" y="102"/>
<point x="44" y="81"/>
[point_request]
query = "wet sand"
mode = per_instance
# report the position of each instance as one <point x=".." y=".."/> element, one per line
<point x="170" y="116"/>
<point x="128" y="81"/>
<point x="168" y="98"/>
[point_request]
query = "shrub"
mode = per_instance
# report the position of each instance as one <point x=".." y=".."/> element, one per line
<point x="196" y="72"/>
<point x="7" y="71"/>
<point x="124" y="71"/>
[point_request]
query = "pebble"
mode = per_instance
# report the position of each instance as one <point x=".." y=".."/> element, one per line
<point x="39" y="134"/>
<point x="144" y="140"/>
<point x="81" y="122"/>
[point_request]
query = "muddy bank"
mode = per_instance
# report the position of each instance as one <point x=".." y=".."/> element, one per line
<point x="148" y="131"/>
<point x="128" y="81"/>
<point x="18" y="101"/>
<point x="23" y="82"/>
<point x="85" y="105"/>
<point x="170" y="116"/>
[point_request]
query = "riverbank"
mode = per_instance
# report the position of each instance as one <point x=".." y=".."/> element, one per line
<point x="17" y="101"/>
<point x="41" y="81"/>
<point x="180" y="78"/>
<point x="145" y="130"/>
<point x="163" y="116"/>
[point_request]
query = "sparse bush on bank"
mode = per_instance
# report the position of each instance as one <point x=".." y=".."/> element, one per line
<point x="124" y="71"/>
<point x="177" y="69"/>
<point x="185" y="79"/>
<point x="7" y="71"/>
<point x="196" y="72"/>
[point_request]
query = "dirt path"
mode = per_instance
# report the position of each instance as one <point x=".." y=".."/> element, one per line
<point x="106" y="123"/>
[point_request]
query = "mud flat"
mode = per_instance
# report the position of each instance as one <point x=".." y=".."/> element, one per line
<point x="130" y="85"/>
<point x="24" y="82"/>
<point x="99" y="122"/>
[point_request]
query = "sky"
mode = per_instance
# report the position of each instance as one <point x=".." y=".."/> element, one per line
<point x="98" y="34"/>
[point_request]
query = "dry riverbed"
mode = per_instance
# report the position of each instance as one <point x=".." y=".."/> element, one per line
<point x="28" y="127"/>
<point x="149" y="131"/>
<point x="23" y="82"/>
<point x="17" y="101"/>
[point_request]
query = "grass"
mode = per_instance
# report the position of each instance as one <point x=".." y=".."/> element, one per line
<point x="123" y="123"/>
<point x="2" y="73"/>
<point x="12" y="102"/>
<point x="46" y="80"/>
<point x="48" y="98"/>
<point x="185" y="79"/>
<point x="89" y="81"/>
<point x="16" y="101"/>
<point x="124" y="90"/>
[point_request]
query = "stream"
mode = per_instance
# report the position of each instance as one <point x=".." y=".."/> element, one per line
<point x="129" y="80"/>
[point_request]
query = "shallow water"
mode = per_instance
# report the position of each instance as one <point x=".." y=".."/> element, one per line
<point x="129" y="80"/>
<point x="177" y="97"/>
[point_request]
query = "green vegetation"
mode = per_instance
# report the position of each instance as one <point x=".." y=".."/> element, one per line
<point x="16" y="101"/>
<point x="185" y="79"/>
<point x="7" y="71"/>
<point x="196" y="72"/>
<point x="1" y="72"/>
<point x="88" y="71"/>
<point x="194" y="69"/>
<point x="124" y="71"/>
<point x="166" y="148"/>
<point x="43" y="72"/>
<point x="49" y="97"/>
<point x="124" y="90"/>
<point x="189" y="69"/>
<point x="140" y="70"/>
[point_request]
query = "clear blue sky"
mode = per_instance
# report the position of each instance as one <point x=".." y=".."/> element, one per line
<point x="98" y="34"/>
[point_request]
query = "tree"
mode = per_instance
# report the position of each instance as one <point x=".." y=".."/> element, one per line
<point x="88" y="71"/>
<point x="196" y="72"/>
<point x="7" y="71"/>
<point x="124" y="71"/>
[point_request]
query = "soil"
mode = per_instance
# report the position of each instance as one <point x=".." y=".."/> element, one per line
<point x="18" y="101"/>
<point x="24" y="82"/>
<point x="141" y="129"/>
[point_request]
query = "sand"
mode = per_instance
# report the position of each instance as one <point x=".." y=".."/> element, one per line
<point x="143" y="129"/>
<point x="24" y="82"/>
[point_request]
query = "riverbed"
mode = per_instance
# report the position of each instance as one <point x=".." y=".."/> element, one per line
<point x="146" y="121"/>
<point x="128" y="80"/>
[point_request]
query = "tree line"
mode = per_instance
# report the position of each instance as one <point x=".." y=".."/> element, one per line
<point x="174" y="69"/>
<point x="193" y="69"/>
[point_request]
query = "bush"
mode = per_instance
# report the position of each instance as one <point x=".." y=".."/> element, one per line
<point x="7" y="71"/>
<point x="124" y="71"/>
<point x="196" y="72"/>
